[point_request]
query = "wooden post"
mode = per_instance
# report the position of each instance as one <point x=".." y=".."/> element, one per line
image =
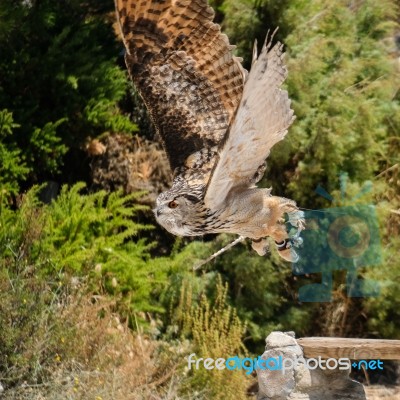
<point x="354" y="349"/>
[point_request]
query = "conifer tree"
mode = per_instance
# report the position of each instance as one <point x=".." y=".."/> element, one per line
<point x="344" y="89"/>
<point x="59" y="79"/>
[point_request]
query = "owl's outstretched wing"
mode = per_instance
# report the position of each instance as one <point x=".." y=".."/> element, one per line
<point x="262" y="120"/>
<point x="184" y="69"/>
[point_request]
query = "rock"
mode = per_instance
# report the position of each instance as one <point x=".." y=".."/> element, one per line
<point x="296" y="381"/>
<point x="276" y="384"/>
<point x="303" y="378"/>
<point x="279" y="339"/>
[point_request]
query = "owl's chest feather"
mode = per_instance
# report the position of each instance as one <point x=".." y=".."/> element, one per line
<point x="245" y="213"/>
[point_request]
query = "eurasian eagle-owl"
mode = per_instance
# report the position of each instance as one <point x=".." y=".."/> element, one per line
<point x="217" y="122"/>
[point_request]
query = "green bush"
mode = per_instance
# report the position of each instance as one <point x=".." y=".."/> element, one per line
<point x="30" y="324"/>
<point x="341" y="83"/>
<point x="344" y="85"/>
<point x="85" y="235"/>
<point x="215" y="331"/>
<point x="81" y="244"/>
<point x="12" y="164"/>
<point x="59" y="79"/>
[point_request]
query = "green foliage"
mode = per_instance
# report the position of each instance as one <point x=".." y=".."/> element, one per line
<point x="215" y="328"/>
<point x="76" y="222"/>
<point x="53" y="255"/>
<point x="344" y="89"/>
<point x="263" y="291"/>
<point x="46" y="147"/>
<point x="59" y="85"/>
<point x="384" y="310"/>
<point x="248" y="20"/>
<point x="241" y="24"/>
<point x="340" y="81"/>
<point x="216" y="332"/>
<point x="12" y="165"/>
<point x="59" y="79"/>
<point x="85" y="234"/>
<point x="31" y="329"/>
<point x="29" y="304"/>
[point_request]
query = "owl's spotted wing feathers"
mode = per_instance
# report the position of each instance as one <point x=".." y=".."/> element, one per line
<point x="262" y="120"/>
<point x="184" y="69"/>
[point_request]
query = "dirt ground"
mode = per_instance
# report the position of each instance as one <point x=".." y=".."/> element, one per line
<point x="382" y="393"/>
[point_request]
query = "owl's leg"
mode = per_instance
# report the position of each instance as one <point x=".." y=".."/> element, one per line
<point x="261" y="246"/>
<point x="284" y="244"/>
<point x="278" y="232"/>
<point x="296" y="217"/>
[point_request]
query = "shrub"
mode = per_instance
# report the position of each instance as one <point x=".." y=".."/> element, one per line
<point x="59" y="78"/>
<point x="12" y="164"/>
<point x="85" y="234"/>
<point x="215" y="331"/>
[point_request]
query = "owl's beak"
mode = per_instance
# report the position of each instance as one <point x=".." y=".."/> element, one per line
<point x="157" y="212"/>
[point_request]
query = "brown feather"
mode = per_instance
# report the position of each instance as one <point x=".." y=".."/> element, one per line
<point x="184" y="69"/>
<point x="262" y="120"/>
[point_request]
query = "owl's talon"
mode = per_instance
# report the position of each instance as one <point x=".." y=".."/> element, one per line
<point x="286" y="250"/>
<point x="296" y="219"/>
<point x="260" y="246"/>
<point x="289" y="255"/>
<point x="296" y="240"/>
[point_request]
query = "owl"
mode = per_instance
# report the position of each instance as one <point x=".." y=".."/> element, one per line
<point x="218" y="122"/>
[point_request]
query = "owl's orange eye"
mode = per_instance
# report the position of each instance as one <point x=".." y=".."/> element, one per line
<point x="172" y="204"/>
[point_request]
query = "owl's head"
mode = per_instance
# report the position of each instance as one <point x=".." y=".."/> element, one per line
<point x="176" y="212"/>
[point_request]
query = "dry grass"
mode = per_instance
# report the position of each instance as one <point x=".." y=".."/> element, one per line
<point x="106" y="361"/>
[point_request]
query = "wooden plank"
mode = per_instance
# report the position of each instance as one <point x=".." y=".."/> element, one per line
<point x="355" y="349"/>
